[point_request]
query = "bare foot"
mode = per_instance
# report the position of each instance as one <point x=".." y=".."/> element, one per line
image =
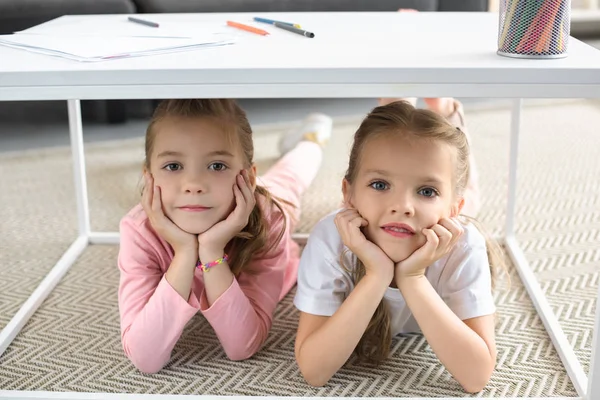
<point x="442" y="105"/>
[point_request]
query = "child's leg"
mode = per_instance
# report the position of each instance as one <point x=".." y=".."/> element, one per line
<point x="293" y="173"/>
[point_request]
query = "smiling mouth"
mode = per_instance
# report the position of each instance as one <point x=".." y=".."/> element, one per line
<point x="397" y="231"/>
<point x="194" y="208"/>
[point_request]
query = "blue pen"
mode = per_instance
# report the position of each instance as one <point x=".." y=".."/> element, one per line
<point x="272" y="22"/>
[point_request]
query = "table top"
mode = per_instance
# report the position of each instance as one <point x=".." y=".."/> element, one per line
<point x="352" y="55"/>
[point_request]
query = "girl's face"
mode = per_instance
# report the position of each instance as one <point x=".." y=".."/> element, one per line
<point x="195" y="166"/>
<point x="401" y="187"/>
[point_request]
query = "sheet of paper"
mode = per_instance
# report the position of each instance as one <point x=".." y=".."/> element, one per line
<point x="101" y="25"/>
<point x="99" y="48"/>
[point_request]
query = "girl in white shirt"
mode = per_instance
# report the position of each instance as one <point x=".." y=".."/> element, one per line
<point x="398" y="258"/>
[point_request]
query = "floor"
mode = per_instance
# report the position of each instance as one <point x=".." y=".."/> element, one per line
<point x="72" y="343"/>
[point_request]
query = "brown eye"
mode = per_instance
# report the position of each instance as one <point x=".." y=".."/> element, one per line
<point x="172" y="167"/>
<point x="217" y="166"/>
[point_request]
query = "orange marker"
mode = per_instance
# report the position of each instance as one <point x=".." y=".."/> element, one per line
<point x="247" y="28"/>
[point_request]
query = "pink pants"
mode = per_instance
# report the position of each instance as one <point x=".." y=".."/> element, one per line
<point x="291" y="175"/>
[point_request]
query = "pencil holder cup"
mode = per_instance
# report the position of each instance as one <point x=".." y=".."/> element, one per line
<point x="534" y="28"/>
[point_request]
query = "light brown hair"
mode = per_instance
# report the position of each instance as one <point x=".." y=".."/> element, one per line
<point x="253" y="239"/>
<point x="401" y="118"/>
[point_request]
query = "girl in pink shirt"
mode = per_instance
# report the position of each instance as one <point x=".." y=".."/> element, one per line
<point x="209" y="235"/>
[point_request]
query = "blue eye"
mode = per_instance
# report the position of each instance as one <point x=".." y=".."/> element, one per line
<point x="173" y="167"/>
<point x="217" y="166"/>
<point x="428" y="192"/>
<point x="379" y="185"/>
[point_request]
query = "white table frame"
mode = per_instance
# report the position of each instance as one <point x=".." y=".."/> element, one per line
<point x="587" y="387"/>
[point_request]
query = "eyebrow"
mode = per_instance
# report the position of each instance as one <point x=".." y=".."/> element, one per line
<point x="432" y="180"/>
<point x="170" y="153"/>
<point x="377" y="172"/>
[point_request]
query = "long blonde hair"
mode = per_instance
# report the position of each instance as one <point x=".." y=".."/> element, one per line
<point x="255" y="236"/>
<point x="401" y="118"/>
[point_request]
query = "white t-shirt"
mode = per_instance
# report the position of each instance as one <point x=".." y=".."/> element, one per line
<point x="462" y="278"/>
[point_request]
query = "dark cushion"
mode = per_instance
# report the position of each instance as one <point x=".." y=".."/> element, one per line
<point x="55" y="8"/>
<point x="463" y="5"/>
<point x="16" y="15"/>
<point x="179" y="6"/>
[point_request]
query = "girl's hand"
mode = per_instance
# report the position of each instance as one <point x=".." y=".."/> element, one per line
<point x="441" y="238"/>
<point x="216" y="238"/>
<point x="348" y="223"/>
<point x="152" y="204"/>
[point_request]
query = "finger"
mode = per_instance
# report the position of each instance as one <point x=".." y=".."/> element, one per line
<point x="240" y="200"/>
<point x="243" y="208"/>
<point x="338" y="220"/>
<point x="443" y="234"/>
<point x="245" y="187"/>
<point x="240" y="184"/>
<point x="147" y="194"/>
<point x="349" y="229"/>
<point x="251" y="187"/>
<point x="156" y="202"/>
<point x="358" y="221"/>
<point x="453" y="225"/>
<point x="427" y="251"/>
<point x="340" y="217"/>
<point x="343" y="218"/>
<point x="246" y="176"/>
<point x="348" y="214"/>
<point x="433" y="241"/>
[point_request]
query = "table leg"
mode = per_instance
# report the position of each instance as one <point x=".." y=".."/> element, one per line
<point x="593" y="389"/>
<point x="14" y="326"/>
<point x="561" y="344"/>
<point x="515" y="127"/>
<point x="76" y="133"/>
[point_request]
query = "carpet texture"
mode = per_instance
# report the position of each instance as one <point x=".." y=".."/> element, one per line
<point x="72" y="343"/>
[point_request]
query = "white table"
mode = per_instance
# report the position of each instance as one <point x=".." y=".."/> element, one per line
<point x="352" y="55"/>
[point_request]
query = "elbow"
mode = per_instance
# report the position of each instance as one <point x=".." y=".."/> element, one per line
<point x="145" y="361"/>
<point x="244" y="349"/>
<point x="312" y="368"/>
<point x="474" y="387"/>
<point x="240" y="352"/>
<point x="148" y="368"/>
<point x="239" y="355"/>
<point x="313" y="376"/>
<point x="146" y="365"/>
<point x="315" y="380"/>
<point x="476" y="382"/>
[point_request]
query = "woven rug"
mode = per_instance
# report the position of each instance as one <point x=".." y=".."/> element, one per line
<point x="72" y="342"/>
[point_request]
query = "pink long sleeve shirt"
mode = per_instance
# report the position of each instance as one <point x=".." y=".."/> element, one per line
<point x="153" y="314"/>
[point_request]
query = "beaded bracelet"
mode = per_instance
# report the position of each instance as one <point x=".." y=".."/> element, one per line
<point x="205" y="267"/>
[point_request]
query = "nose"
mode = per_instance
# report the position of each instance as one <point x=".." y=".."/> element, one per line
<point x="403" y="204"/>
<point x="193" y="183"/>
